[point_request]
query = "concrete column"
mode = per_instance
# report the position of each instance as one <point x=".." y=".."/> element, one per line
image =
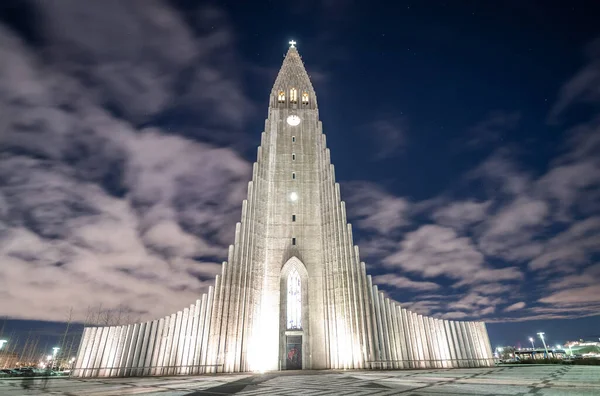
<point x="406" y="343"/>
<point x="108" y="352"/>
<point x="408" y="339"/>
<point x="368" y="313"/>
<point x="488" y="345"/>
<point x="457" y="346"/>
<point x="137" y="349"/>
<point x="476" y="344"/>
<point x="445" y="346"/>
<point x="382" y="347"/>
<point x="81" y="352"/>
<point x="89" y="335"/>
<point x="94" y="352"/>
<point x="467" y="344"/>
<point x="435" y="343"/>
<point x="417" y="334"/>
<point x="206" y="330"/>
<point x="174" y="340"/>
<point x="389" y="337"/>
<point x="100" y="352"/>
<point x="377" y="355"/>
<point x="153" y="347"/>
<point x="397" y="335"/>
<point x="162" y="338"/>
<point x="125" y="350"/>
<point x="425" y="341"/>
<point x="463" y="344"/>
<point x="434" y="348"/>
<point x="179" y="341"/>
<point x="141" y="362"/>
<point x="215" y="328"/>
<point x="245" y="271"/>
<point x="451" y="345"/>
<point x="128" y="358"/>
<point x="192" y="333"/>
<point x="197" y="361"/>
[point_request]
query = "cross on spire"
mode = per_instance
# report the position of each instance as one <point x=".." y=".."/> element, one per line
<point x="292" y="44"/>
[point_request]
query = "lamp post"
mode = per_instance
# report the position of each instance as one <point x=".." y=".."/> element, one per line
<point x="541" y="334"/>
<point x="532" y="343"/>
<point x="54" y="352"/>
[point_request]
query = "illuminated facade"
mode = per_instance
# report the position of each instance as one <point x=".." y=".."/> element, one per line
<point x="293" y="292"/>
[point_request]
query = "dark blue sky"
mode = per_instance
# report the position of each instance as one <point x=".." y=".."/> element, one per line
<point x="465" y="137"/>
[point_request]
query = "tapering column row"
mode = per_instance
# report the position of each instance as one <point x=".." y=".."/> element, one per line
<point x="408" y="340"/>
<point x="172" y="345"/>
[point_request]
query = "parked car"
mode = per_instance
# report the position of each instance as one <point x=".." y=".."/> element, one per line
<point x="26" y="371"/>
<point x="10" y="372"/>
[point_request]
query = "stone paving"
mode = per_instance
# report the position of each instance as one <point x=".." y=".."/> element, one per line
<point x="503" y="380"/>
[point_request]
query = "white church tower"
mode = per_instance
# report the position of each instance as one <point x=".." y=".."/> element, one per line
<point x="293" y="293"/>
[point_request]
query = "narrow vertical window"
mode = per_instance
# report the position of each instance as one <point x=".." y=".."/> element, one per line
<point x="293" y="95"/>
<point x="293" y="157"/>
<point x="304" y="98"/>
<point x="293" y="217"/>
<point x="294" y="300"/>
<point x="281" y="97"/>
<point x="293" y="139"/>
<point x="294" y="175"/>
<point x="293" y="241"/>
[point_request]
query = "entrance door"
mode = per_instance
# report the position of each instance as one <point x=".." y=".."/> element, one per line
<point x="293" y="353"/>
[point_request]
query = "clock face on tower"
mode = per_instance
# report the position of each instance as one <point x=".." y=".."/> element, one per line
<point x="293" y="120"/>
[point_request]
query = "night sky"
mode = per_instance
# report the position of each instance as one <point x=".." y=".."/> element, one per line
<point x="465" y="135"/>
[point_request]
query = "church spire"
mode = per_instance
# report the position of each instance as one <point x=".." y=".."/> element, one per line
<point x="292" y="85"/>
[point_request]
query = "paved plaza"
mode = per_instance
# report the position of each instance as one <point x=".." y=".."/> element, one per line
<point x="504" y="380"/>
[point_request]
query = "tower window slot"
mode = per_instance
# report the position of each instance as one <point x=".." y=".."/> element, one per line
<point x="293" y="217"/>
<point x="293" y="241"/>
<point x="293" y="139"/>
<point x="293" y="95"/>
<point x="294" y="175"/>
<point x="304" y="98"/>
<point x="281" y="97"/>
<point x="293" y="157"/>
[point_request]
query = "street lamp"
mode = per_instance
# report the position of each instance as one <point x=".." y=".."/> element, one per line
<point x="532" y="344"/>
<point x="54" y="352"/>
<point x="541" y="334"/>
<point x="2" y="342"/>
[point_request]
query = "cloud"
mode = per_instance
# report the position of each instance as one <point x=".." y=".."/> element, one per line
<point x="433" y="250"/>
<point x="515" y="307"/>
<point x="374" y="208"/>
<point x="582" y="87"/>
<point x="582" y="295"/>
<point x="511" y="232"/>
<point x="94" y="207"/>
<point x="454" y="315"/>
<point x="460" y="215"/>
<point x="388" y="137"/>
<point x="570" y="248"/>
<point x="493" y="127"/>
<point x="401" y="282"/>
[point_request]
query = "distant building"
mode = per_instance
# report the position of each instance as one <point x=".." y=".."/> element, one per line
<point x="8" y="359"/>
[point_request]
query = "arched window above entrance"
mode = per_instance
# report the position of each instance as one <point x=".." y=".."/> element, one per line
<point x="294" y="300"/>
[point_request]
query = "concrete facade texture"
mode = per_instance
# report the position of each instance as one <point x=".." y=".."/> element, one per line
<point x="292" y="221"/>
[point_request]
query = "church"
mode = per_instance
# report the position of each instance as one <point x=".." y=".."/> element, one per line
<point x="293" y="293"/>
